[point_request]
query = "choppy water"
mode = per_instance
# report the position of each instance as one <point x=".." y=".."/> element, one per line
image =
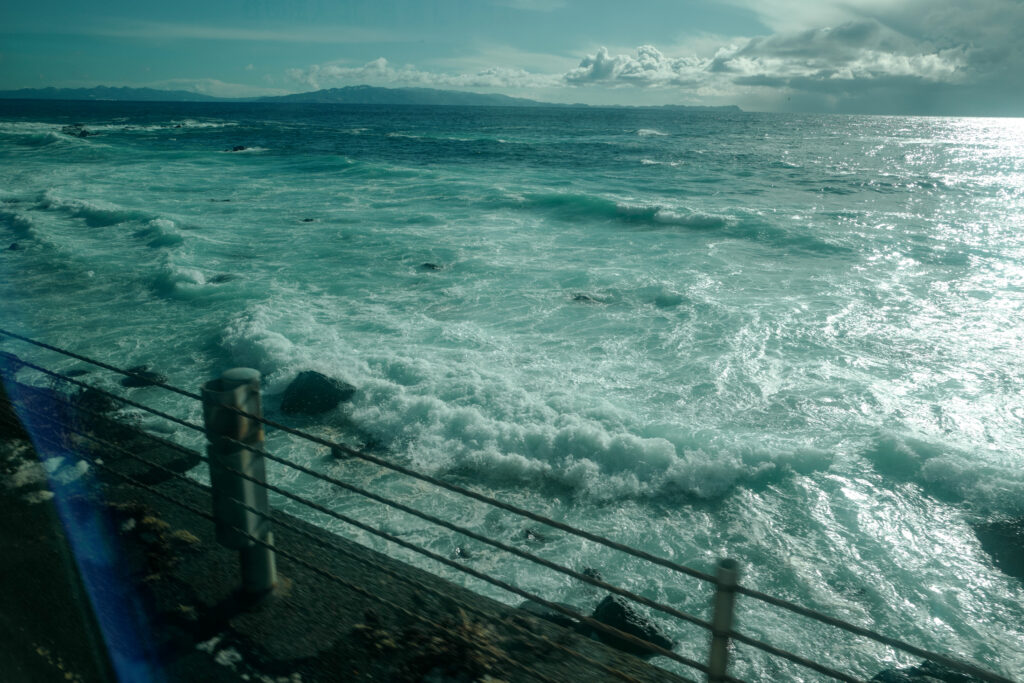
<point x="791" y="340"/>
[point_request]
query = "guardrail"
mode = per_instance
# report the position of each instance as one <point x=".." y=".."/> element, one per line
<point x="233" y="423"/>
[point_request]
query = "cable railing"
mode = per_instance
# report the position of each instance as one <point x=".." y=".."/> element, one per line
<point x="246" y="525"/>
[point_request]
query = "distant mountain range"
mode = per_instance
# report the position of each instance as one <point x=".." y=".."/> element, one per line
<point x="104" y="92"/>
<point x="355" y="94"/>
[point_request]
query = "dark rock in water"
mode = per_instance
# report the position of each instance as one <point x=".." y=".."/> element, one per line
<point x="77" y="130"/>
<point x="143" y="377"/>
<point x="237" y="148"/>
<point x="14" y="247"/>
<point x="617" y="612"/>
<point x="430" y="266"/>
<point x="311" y="393"/>
<point x="534" y="536"/>
<point x="927" y="672"/>
<point x="1003" y="540"/>
<point x="308" y="220"/>
<point x="592" y="573"/>
<point x="95" y="402"/>
<point x="548" y="614"/>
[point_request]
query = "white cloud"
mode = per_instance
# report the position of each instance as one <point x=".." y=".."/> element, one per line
<point x="212" y="86"/>
<point x="380" y="72"/>
<point x="648" y="67"/>
<point x="855" y="51"/>
<point x="863" y="50"/>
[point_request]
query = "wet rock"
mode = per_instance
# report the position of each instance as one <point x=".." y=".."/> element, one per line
<point x="617" y="612"/>
<point x="592" y="573"/>
<point x="534" y="536"/>
<point x="77" y="130"/>
<point x="95" y="402"/>
<point x="548" y="614"/>
<point x="926" y="672"/>
<point x="1003" y="540"/>
<point x="311" y="393"/>
<point x="144" y="377"/>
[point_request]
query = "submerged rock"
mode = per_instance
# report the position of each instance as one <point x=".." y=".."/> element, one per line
<point x="926" y="672"/>
<point x="1003" y="540"/>
<point x="534" y="536"/>
<point x="311" y="393"/>
<point x="619" y="613"/>
<point x="143" y="377"/>
<point x="94" y="402"/>
<point x="77" y="130"/>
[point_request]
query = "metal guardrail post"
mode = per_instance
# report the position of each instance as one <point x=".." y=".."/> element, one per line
<point x="726" y="575"/>
<point x="239" y="389"/>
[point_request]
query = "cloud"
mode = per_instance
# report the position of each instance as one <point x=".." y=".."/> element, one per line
<point x="380" y="72"/>
<point x="214" y="87"/>
<point x="647" y="67"/>
<point x="855" y="51"/>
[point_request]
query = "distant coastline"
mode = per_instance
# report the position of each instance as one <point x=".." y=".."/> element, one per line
<point x="355" y="94"/>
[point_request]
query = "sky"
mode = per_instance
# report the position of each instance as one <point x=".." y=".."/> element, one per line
<point x="928" y="57"/>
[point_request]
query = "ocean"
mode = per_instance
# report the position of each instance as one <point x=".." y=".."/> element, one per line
<point x="791" y="340"/>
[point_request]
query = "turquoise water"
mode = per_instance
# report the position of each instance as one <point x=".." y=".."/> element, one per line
<point x="790" y="340"/>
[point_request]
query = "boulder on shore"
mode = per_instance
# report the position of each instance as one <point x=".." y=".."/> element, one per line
<point x="312" y="393"/>
<point x="926" y="672"/>
<point x="619" y="613"/>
